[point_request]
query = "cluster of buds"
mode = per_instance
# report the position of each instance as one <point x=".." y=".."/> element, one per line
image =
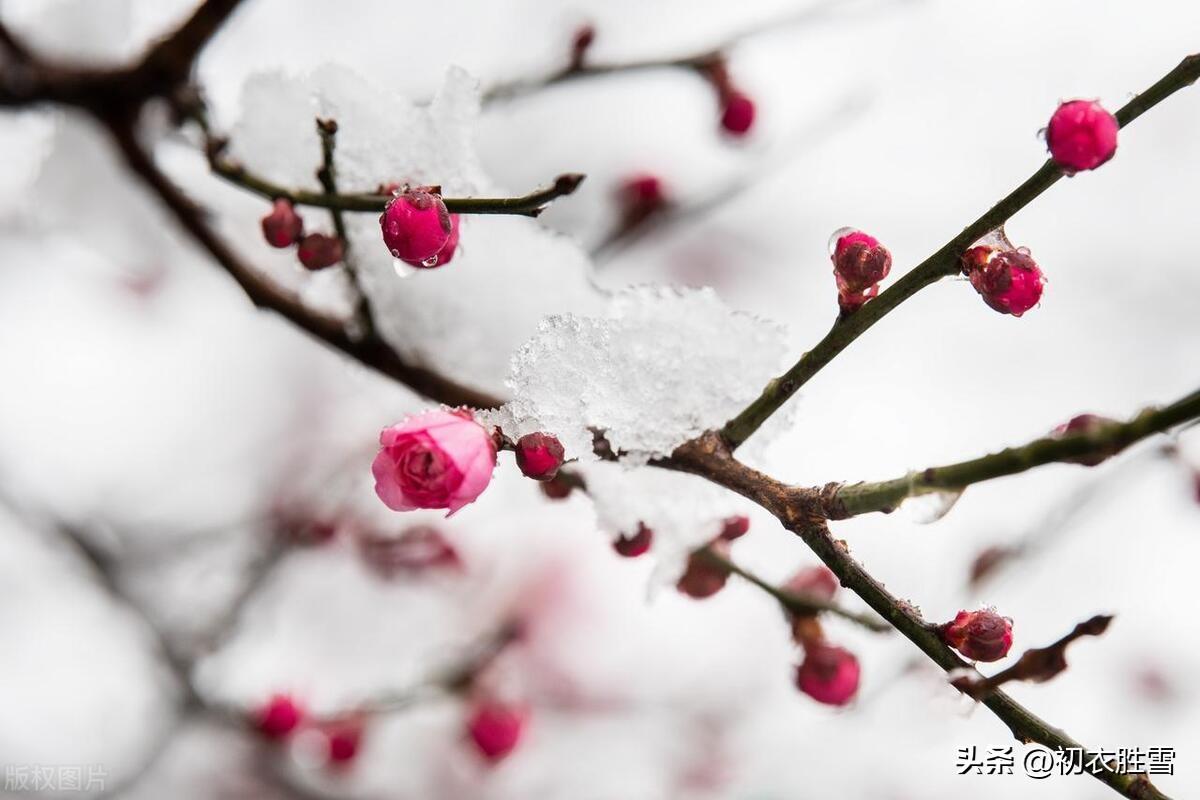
<point x="828" y="673"/>
<point x="705" y="575"/>
<point x="283" y="228"/>
<point x="981" y="635"/>
<point x="860" y="262"/>
<point x="281" y="717"/>
<point x="1008" y="280"/>
<point x="418" y="229"/>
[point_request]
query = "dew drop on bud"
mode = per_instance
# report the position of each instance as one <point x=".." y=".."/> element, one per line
<point x="431" y="261"/>
<point x="929" y="507"/>
<point x="838" y="234"/>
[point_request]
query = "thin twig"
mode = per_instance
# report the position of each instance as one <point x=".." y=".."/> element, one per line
<point x="1106" y="439"/>
<point x="943" y="263"/>
<point x="794" y="603"/>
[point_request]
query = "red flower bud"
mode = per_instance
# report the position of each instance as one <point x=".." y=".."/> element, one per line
<point x="704" y="578"/>
<point x="318" y="251"/>
<point x="1008" y="280"/>
<point x="1087" y="423"/>
<point x="829" y="674"/>
<point x="735" y="527"/>
<point x="1081" y="136"/>
<point x="556" y="488"/>
<point x="860" y="262"/>
<point x="283" y="226"/>
<point x="342" y="743"/>
<point x="278" y="717"/>
<point x="817" y="582"/>
<point x="737" y="114"/>
<point x="636" y="545"/>
<point x="980" y="635"/>
<point x="416" y="226"/>
<point x="496" y="728"/>
<point x="539" y="455"/>
<point x="415" y="550"/>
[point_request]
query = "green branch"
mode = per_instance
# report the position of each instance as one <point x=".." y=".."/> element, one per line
<point x="939" y="265"/>
<point x="1102" y="441"/>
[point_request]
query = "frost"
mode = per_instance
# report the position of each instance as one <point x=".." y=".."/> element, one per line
<point x="657" y="368"/>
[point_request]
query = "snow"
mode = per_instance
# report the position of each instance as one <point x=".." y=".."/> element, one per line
<point x="658" y="367"/>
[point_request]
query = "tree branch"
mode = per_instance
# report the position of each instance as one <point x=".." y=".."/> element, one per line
<point x="1106" y="439"/>
<point x="264" y="293"/>
<point x="794" y="603"/>
<point x="943" y="263"/>
<point x="711" y="457"/>
<point x="528" y="205"/>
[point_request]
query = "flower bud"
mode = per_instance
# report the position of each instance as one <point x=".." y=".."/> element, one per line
<point x="829" y="674"/>
<point x="283" y="226"/>
<point x="278" y="717"/>
<point x="703" y="577"/>
<point x="1081" y="136"/>
<point x="860" y="262"/>
<point x="735" y="527"/>
<point x="636" y="545"/>
<point x="1087" y="423"/>
<point x="737" y="113"/>
<point x="416" y="226"/>
<point x="495" y="728"/>
<point x="342" y="743"/>
<point x="318" y="251"/>
<point x="817" y="582"/>
<point x="556" y="488"/>
<point x="539" y="455"/>
<point x="1008" y="280"/>
<point x="980" y="635"/>
<point x="439" y="459"/>
<point x="416" y="550"/>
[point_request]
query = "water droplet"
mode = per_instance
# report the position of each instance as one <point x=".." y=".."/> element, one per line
<point x="930" y="507"/>
<point x="839" y="233"/>
<point x="431" y="261"/>
<point x="996" y="238"/>
<point x="395" y="253"/>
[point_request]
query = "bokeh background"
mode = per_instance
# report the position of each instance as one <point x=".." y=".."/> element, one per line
<point x="148" y="410"/>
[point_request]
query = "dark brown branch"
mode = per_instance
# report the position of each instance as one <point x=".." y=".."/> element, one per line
<point x="1037" y="665"/>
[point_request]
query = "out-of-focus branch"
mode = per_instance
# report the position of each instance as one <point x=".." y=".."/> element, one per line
<point x="578" y="67"/>
<point x="710" y="456"/>
<point x="794" y="603"/>
<point x="1038" y="665"/>
<point x="1106" y="439"/>
<point x="943" y="263"/>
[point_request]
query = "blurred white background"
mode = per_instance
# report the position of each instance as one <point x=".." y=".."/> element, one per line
<point x="147" y="404"/>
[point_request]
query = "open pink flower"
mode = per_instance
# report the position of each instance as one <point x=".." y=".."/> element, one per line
<point x="439" y="459"/>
